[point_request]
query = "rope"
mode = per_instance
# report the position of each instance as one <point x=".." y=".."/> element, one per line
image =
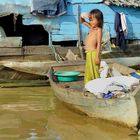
<point x="57" y="56"/>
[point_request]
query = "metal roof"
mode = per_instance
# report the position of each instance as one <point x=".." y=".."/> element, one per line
<point x="127" y="3"/>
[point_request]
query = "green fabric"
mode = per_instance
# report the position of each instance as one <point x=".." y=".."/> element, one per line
<point x="91" y="69"/>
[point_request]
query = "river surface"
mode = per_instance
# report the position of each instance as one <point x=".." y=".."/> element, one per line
<point x="34" y="113"/>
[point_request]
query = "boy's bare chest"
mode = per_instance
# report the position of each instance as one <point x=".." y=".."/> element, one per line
<point x="92" y="33"/>
<point x="92" y="36"/>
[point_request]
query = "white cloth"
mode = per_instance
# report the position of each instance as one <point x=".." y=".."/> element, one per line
<point x="104" y="69"/>
<point x="124" y="23"/>
<point x="98" y="85"/>
<point x="113" y="87"/>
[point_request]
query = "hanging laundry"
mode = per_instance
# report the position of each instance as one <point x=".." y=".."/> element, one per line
<point x="124" y="23"/>
<point x="120" y="38"/>
<point x="48" y="8"/>
<point x="61" y="8"/>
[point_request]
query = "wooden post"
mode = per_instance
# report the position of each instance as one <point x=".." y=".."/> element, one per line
<point x="79" y="33"/>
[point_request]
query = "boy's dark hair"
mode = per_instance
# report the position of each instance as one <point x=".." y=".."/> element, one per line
<point x="99" y="16"/>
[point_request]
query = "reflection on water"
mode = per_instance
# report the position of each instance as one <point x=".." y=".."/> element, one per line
<point x="35" y="114"/>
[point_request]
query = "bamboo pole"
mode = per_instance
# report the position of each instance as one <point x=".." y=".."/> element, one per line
<point x="79" y="33"/>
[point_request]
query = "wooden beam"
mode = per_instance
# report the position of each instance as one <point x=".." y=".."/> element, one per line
<point x="45" y="50"/>
<point x="5" y="51"/>
<point x="11" y="42"/>
<point x="23" y="83"/>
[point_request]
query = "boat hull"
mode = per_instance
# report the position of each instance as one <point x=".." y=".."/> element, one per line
<point x="122" y="111"/>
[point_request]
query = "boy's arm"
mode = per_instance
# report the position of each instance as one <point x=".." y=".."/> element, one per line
<point x="99" y="40"/>
<point x="85" y="22"/>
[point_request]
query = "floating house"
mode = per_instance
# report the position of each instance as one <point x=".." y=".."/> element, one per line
<point x="66" y="27"/>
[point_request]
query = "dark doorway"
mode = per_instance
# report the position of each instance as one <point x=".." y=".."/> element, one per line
<point x="32" y="34"/>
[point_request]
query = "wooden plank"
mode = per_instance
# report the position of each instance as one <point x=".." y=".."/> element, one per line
<point x="11" y="42"/>
<point x="38" y="57"/>
<point x="36" y="50"/>
<point x="10" y="51"/>
<point x="45" y="50"/>
<point x="22" y="83"/>
<point x="33" y="53"/>
<point x="64" y="37"/>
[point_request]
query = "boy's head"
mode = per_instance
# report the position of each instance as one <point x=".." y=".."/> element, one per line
<point x="96" y="18"/>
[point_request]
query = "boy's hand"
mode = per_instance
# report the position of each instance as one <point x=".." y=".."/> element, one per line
<point x="85" y="15"/>
<point x="97" y="61"/>
<point x="82" y="19"/>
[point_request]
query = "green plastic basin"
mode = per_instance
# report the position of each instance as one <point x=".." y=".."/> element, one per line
<point x="67" y="76"/>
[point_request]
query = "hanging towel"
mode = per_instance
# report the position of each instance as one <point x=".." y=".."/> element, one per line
<point x="120" y="38"/>
<point x="124" y="23"/>
<point x="61" y="8"/>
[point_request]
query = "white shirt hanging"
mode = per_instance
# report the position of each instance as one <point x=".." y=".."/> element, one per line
<point x="124" y="23"/>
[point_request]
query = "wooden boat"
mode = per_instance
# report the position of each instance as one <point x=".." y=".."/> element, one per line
<point x="21" y="70"/>
<point x="120" y="110"/>
<point x="127" y="61"/>
<point x="32" y="67"/>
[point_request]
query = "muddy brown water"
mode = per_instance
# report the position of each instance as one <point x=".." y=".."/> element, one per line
<point x="34" y="113"/>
